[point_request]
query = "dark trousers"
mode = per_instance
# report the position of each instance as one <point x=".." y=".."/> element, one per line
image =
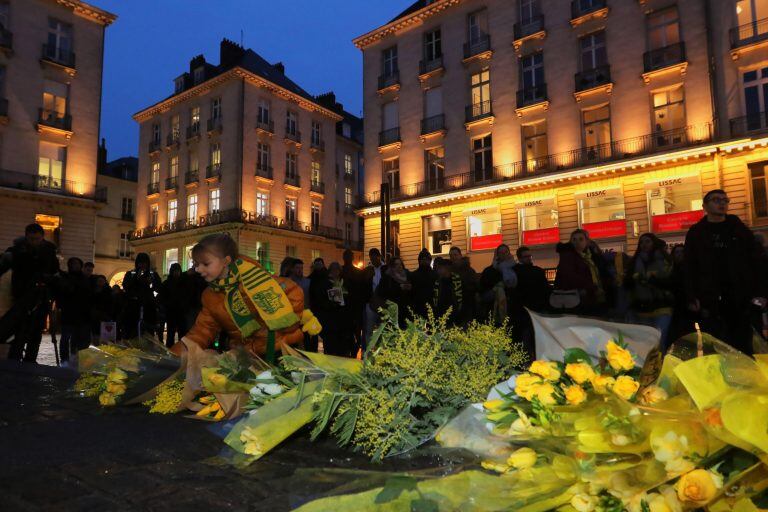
<point x="28" y="334"/>
<point x="174" y="326"/>
<point x="73" y="339"/>
<point x="730" y="323"/>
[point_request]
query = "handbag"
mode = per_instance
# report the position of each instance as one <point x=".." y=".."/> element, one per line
<point x="565" y="299"/>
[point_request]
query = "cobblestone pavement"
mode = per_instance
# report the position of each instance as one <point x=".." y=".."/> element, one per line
<point x="62" y="453"/>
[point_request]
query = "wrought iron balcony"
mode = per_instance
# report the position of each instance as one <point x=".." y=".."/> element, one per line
<point x="317" y="186"/>
<point x="173" y="139"/>
<point x="267" y="126"/>
<point x="153" y="188"/>
<point x="191" y="177"/>
<point x="591" y="78"/>
<point x="37" y="183"/>
<point x="428" y="66"/>
<point x="390" y="136"/>
<point x="752" y="123"/>
<point x="433" y="124"/>
<point x="749" y="33"/>
<point x="154" y="146"/>
<point x="478" y="111"/>
<point x="193" y="130"/>
<point x="172" y="183"/>
<point x="389" y="80"/>
<point x="57" y="55"/>
<point x="54" y="119"/>
<point x="6" y="39"/>
<point x="531" y="95"/>
<point x="128" y="216"/>
<point x="213" y="171"/>
<point x="294" y="135"/>
<point x="264" y="171"/>
<point x="478" y="46"/>
<point x="581" y="157"/>
<point x="215" y="125"/>
<point x="294" y="180"/>
<point x="529" y="27"/>
<point x="663" y="57"/>
<point x="581" y="8"/>
<point x="317" y="144"/>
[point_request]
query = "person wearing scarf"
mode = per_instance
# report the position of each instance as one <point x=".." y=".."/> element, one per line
<point x="396" y="287"/>
<point x="244" y="301"/>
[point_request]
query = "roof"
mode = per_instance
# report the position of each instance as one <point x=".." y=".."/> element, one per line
<point x="89" y="11"/>
<point x="256" y="64"/>
<point x="126" y="168"/>
<point x="412" y="16"/>
<point x="415" y="6"/>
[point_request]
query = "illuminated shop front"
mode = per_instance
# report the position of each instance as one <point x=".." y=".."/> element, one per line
<point x="483" y="227"/>
<point x="602" y="213"/>
<point x="436" y="231"/>
<point x="674" y="204"/>
<point x="538" y="221"/>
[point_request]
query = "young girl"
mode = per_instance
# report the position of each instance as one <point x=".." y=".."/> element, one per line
<point x="245" y="301"/>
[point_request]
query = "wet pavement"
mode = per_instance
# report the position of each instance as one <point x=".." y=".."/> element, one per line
<point x="62" y="453"/>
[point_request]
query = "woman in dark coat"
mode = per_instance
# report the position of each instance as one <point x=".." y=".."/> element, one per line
<point x="582" y="268"/>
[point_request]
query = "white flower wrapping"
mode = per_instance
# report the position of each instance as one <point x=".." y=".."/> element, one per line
<point x="266" y="386"/>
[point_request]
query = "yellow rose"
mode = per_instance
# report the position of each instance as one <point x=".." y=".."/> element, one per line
<point x="216" y="379"/>
<point x="521" y="425"/>
<point x="575" y="394"/>
<point x="626" y="387"/>
<point x="545" y="392"/>
<point x="579" y="372"/>
<point x="117" y="375"/>
<point x="698" y="487"/>
<point x="522" y="458"/>
<point x="584" y="502"/>
<point x="493" y="405"/>
<point x="107" y="399"/>
<point x="115" y="389"/>
<point x="494" y="466"/>
<point x="603" y="384"/>
<point x="653" y="395"/>
<point x="619" y="358"/>
<point x="524" y="385"/>
<point x="251" y="442"/>
<point x="545" y="369"/>
<point x="671" y="449"/>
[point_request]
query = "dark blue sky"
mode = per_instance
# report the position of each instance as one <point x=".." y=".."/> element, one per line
<point x="152" y="41"/>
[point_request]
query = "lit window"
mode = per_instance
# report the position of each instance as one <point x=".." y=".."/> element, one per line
<point x="315" y="216"/>
<point x="669" y="116"/>
<point x="316" y="174"/>
<point x="597" y="132"/>
<point x="174" y="166"/>
<point x="435" y="163"/>
<point x="172" y="211"/>
<point x="674" y="203"/>
<point x="482" y="158"/>
<point x="153" y="215"/>
<point x="348" y="197"/>
<point x="262" y="203"/>
<point x="155" y="174"/>
<point x="759" y="176"/>
<point x="214" y="200"/>
<point x="290" y="211"/>
<point x="51" y="165"/>
<point x="54" y="99"/>
<point x="484" y="228"/>
<point x="539" y="220"/>
<point x="348" y="164"/>
<point x="171" y="257"/>
<point x="601" y="212"/>
<point x="192" y="208"/>
<point x="216" y="108"/>
<point x="437" y="233"/>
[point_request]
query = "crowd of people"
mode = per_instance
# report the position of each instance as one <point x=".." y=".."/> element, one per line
<point x="718" y="279"/>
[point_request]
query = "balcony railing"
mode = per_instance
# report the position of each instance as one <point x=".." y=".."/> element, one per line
<point x="172" y="183"/>
<point x="433" y="124"/>
<point x="531" y="95"/>
<point x="213" y="171"/>
<point x="191" y="177"/>
<point x="481" y="45"/>
<point x="153" y="188"/>
<point x="264" y="171"/>
<point x="478" y="111"/>
<point x="294" y="135"/>
<point x="294" y="180"/>
<point x="580" y="8"/>
<point x="193" y="130"/>
<point x="154" y="146"/>
<point x="317" y="144"/>
<point x="317" y="187"/>
<point x="388" y="80"/>
<point x="428" y="66"/>
<point x="349" y="176"/>
<point x="756" y="122"/>
<point x="581" y="157"/>
<point x="529" y="27"/>
<point x="173" y="139"/>
<point x="128" y="216"/>
<point x="58" y="55"/>
<point x="390" y="136"/>
<point x="54" y="119"/>
<point x="663" y="57"/>
<point x="749" y="33"/>
<point x="595" y="77"/>
<point x="6" y="39"/>
<point x="267" y="126"/>
<point x="215" y="125"/>
<point x="36" y="183"/>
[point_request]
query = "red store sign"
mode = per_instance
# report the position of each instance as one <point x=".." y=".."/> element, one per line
<point x="606" y="229"/>
<point x="481" y="243"/>
<point x="541" y="236"/>
<point x="680" y="221"/>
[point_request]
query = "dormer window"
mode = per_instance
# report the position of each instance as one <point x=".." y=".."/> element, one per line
<point x="198" y="74"/>
<point x="346" y="130"/>
<point x="178" y="85"/>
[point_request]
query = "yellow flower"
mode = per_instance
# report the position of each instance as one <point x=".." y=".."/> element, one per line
<point x="545" y="392"/>
<point x="521" y="425"/>
<point x="493" y="405"/>
<point x="545" y="369"/>
<point x="626" y="387"/>
<point x="603" y="384"/>
<point x="575" y="394"/>
<point x="653" y="395"/>
<point x="495" y="466"/>
<point x="522" y="458"/>
<point x="672" y="449"/>
<point x="524" y="385"/>
<point x="117" y="375"/>
<point x="115" y="389"/>
<point x="251" y="442"/>
<point x="698" y="487"/>
<point x="584" y="502"/>
<point x="619" y="358"/>
<point x="107" y="399"/>
<point x="620" y="440"/>
<point x="218" y="380"/>
<point x="579" y="372"/>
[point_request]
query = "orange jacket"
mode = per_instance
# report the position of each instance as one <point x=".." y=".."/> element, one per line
<point x="214" y="318"/>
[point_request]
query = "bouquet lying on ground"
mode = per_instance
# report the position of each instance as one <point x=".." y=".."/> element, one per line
<point x="694" y="437"/>
<point x="412" y="382"/>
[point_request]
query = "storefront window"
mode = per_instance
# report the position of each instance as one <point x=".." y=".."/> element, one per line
<point x="601" y="213"/>
<point x="538" y="220"/>
<point x="437" y="233"/>
<point x="674" y="204"/>
<point x="171" y="257"/>
<point x="483" y="227"/>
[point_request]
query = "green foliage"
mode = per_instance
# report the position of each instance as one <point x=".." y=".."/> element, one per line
<point x="576" y="355"/>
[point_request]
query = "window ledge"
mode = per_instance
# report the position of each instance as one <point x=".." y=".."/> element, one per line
<point x="594" y="15"/>
<point x="316" y="195"/>
<point x="528" y="109"/>
<point x="540" y="36"/>
<point x="429" y="74"/>
<point x="600" y="89"/>
<point x="44" y="128"/>
<point x="394" y="145"/>
<point x="67" y="69"/>
<point x="390" y="88"/>
<point x="488" y="119"/>
<point x="486" y="55"/>
<point x="681" y="67"/>
<point x="437" y="133"/>
<point x="741" y="51"/>
<point x="291" y="188"/>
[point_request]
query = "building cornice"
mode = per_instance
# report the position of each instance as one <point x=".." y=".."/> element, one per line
<point x="234" y="73"/>
<point x="89" y="11"/>
<point x="415" y="18"/>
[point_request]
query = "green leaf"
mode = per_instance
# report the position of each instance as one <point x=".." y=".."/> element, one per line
<point x="424" y="505"/>
<point x="394" y="487"/>
<point x="576" y="355"/>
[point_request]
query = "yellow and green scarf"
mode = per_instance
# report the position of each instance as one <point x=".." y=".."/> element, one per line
<point x="264" y="295"/>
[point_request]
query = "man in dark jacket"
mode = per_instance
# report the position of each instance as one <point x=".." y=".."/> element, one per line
<point x="74" y="296"/>
<point x="33" y="262"/>
<point x="532" y="292"/>
<point x="724" y="278"/>
<point x="353" y="281"/>
<point x="448" y="293"/>
<point x="469" y="280"/>
<point x="141" y="286"/>
<point x="423" y="284"/>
